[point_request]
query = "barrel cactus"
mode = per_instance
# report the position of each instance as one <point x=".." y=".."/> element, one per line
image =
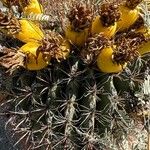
<point x="82" y="83"/>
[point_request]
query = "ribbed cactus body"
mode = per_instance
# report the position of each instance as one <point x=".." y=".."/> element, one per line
<point x="70" y="107"/>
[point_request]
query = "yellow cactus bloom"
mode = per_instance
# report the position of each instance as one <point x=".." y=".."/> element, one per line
<point x="25" y="6"/>
<point x="145" y="46"/>
<point x="145" y="30"/>
<point x="30" y="32"/>
<point x="33" y="7"/>
<point x="105" y="62"/>
<point x="76" y="37"/>
<point x="65" y="49"/>
<point x="127" y="18"/>
<point x="79" y="21"/>
<point x="106" y="20"/>
<point x="142" y="29"/>
<point x="39" y="54"/>
<point x="97" y="27"/>
<point x="34" y="62"/>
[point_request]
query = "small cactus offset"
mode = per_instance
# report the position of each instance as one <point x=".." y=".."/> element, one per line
<point x="75" y="75"/>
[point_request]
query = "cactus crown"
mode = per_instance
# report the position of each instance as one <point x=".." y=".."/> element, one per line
<point x="109" y="14"/>
<point x="80" y="16"/>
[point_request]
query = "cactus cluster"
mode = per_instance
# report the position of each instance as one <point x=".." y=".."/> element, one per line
<point x="82" y="83"/>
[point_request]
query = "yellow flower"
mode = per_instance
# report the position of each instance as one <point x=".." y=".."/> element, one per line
<point x="33" y="7"/>
<point x="97" y="27"/>
<point x="34" y="62"/>
<point x="76" y="37"/>
<point x="105" y="22"/>
<point x="105" y="62"/>
<point x="64" y="49"/>
<point x="23" y="29"/>
<point x="127" y="18"/>
<point x="79" y="21"/>
<point x="30" y="32"/>
<point x="145" y="46"/>
<point x="39" y="54"/>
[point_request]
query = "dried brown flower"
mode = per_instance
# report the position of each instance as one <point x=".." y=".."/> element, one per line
<point x="93" y="47"/>
<point x="50" y="46"/>
<point x="9" y="24"/>
<point x="80" y="16"/>
<point x="126" y="49"/>
<point x="11" y="59"/>
<point x="109" y="13"/>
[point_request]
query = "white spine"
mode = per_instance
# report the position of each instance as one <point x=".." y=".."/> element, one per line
<point x="38" y="17"/>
